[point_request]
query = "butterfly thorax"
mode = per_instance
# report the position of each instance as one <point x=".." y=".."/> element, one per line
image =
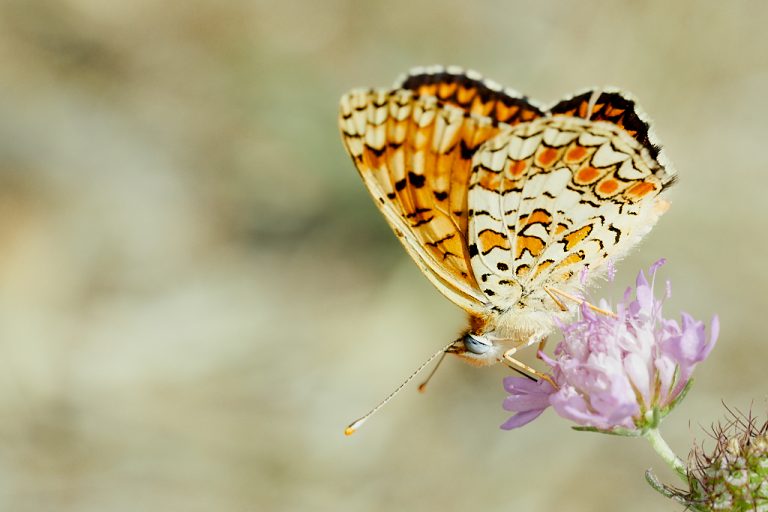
<point x="490" y="336"/>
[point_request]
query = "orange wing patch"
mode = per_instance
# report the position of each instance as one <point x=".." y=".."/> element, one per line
<point x="517" y="169"/>
<point x="607" y="187"/>
<point x="533" y="245"/>
<point x="637" y="191"/>
<point x="489" y="240"/>
<point x="538" y="216"/>
<point x="575" y="237"/>
<point x="562" y="272"/>
<point x="490" y="181"/>
<point x="547" y="156"/>
<point x="587" y="175"/>
<point x="576" y="154"/>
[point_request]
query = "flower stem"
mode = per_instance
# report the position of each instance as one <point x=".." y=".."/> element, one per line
<point x="665" y="452"/>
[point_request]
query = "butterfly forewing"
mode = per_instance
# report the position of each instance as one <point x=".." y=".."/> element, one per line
<point x="408" y="150"/>
<point x="413" y="146"/>
<point x="469" y="92"/>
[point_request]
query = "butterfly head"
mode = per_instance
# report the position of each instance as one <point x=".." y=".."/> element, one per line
<point x="489" y="337"/>
<point x="479" y="349"/>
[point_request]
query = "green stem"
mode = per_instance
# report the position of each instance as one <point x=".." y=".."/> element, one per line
<point x="665" y="452"/>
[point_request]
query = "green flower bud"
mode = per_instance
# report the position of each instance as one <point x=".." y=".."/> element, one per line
<point x="734" y="476"/>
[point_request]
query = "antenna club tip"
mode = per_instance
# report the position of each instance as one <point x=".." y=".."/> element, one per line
<point x="422" y="387"/>
<point x="352" y="428"/>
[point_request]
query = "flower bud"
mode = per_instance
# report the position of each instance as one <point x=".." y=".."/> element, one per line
<point x="734" y="476"/>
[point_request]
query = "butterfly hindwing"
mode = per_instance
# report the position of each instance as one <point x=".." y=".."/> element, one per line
<point x="615" y="107"/>
<point x="553" y="196"/>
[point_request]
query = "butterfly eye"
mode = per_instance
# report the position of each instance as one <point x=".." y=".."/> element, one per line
<point x="476" y="345"/>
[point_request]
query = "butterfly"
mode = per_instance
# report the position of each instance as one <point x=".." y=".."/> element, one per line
<point x="510" y="209"/>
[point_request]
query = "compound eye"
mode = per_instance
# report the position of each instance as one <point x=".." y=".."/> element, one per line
<point x="476" y="345"/>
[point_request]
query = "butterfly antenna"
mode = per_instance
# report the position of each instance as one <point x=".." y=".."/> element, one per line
<point x="352" y="428"/>
<point x="423" y="386"/>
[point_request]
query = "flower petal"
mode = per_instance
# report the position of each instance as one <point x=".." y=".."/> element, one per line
<point x="521" y="418"/>
<point x="524" y="385"/>
<point x="656" y="265"/>
<point x="639" y="374"/>
<point x="520" y="403"/>
<point x="569" y="404"/>
<point x="690" y="346"/>
<point x="526" y="395"/>
<point x="714" y="331"/>
<point x="665" y="371"/>
<point x="527" y="398"/>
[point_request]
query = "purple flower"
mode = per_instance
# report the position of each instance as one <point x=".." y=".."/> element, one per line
<point x="616" y="372"/>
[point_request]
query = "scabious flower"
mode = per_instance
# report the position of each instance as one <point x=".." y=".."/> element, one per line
<point x="622" y="371"/>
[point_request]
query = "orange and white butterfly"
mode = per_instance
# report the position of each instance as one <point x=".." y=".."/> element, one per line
<point x="501" y="203"/>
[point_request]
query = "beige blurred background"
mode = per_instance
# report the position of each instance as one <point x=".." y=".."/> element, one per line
<point x="197" y="294"/>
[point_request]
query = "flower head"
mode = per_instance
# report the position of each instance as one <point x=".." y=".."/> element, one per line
<point x="621" y="371"/>
<point x="734" y="476"/>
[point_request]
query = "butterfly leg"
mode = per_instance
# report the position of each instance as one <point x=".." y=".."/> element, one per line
<point x="519" y="365"/>
<point x="540" y="348"/>
<point x="580" y="301"/>
<point x="515" y="364"/>
<point x="555" y="299"/>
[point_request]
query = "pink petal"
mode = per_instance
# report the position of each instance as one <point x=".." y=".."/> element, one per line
<point x="714" y="331"/>
<point x="641" y="281"/>
<point x="656" y="265"/>
<point x="520" y="403"/>
<point x="665" y="369"/>
<point x="524" y="385"/>
<point x="526" y="395"/>
<point x="638" y="372"/>
<point x="521" y="418"/>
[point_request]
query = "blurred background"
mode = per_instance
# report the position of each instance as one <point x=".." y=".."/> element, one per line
<point x="197" y="293"/>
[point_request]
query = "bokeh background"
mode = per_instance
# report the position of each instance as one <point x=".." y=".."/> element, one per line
<point x="197" y="294"/>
